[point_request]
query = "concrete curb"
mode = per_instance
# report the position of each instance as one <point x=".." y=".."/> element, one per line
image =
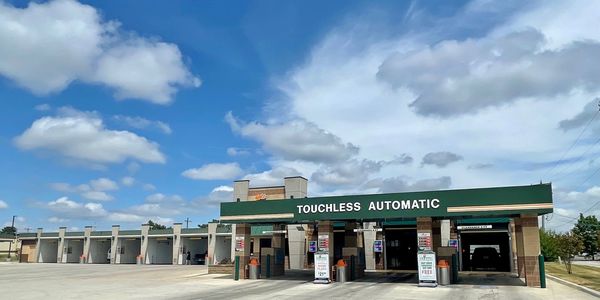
<point x="574" y="285"/>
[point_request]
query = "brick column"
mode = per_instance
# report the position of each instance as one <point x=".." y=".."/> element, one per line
<point x="520" y="247"/>
<point x="278" y="244"/>
<point x="425" y="225"/>
<point x="531" y="249"/>
<point x="243" y="230"/>
<point x="326" y="227"/>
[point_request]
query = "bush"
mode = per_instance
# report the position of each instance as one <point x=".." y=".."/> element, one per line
<point x="549" y="245"/>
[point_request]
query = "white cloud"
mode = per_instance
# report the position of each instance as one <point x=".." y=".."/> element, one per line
<point x="219" y="194"/>
<point x="159" y="197"/>
<point x="457" y="77"/>
<point x="127" y="181"/>
<point x="104" y="184"/>
<point x="142" y="123"/>
<point x="47" y="46"/>
<point x="231" y="151"/>
<point x="149" y="187"/>
<point x="352" y="172"/>
<point x="57" y="220"/>
<point x="73" y="209"/>
<point x="43" y="107"/>
<point x="214" y="171"/>
<point x="271" y="177"/>
<point x="3" y="204"/>
<point x="94" y="190"/>
<point x="82" y="136"/>
<point x="295" y="140"/>
<point x="397" y="184"/>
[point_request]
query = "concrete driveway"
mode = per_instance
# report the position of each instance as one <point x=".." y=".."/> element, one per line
<point x="74" y="281"/>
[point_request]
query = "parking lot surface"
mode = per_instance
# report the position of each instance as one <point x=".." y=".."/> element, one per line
<point x="74" y="281"/>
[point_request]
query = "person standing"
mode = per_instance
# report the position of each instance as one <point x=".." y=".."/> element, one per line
<point x="188" y="258"/>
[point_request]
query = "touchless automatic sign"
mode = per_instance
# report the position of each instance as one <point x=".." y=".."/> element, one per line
<point x="372" y="206"/>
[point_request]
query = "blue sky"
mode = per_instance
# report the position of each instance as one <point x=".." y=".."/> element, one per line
<point x="115" y="114"/>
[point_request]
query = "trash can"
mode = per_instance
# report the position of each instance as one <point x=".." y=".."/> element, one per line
<point x="341" y="271"/>
<point x="444" y="272"/>
<point x="253" y="269"/>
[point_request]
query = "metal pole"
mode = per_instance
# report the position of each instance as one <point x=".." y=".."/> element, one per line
<point x="14" y="236"/>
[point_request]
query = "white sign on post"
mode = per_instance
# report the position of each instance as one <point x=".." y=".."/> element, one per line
<point x="427" y="268"/>
<point x="322" y="267"/>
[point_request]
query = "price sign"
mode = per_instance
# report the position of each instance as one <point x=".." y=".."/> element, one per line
<point x="424" y="241"/>
<point x="427" y="270"/>
<point x="324" y="242"/>
<point x="239" y="243"/>
<point x="321" y="267"/>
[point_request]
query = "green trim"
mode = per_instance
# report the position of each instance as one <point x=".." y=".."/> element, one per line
<point x="101" y="233"/>
<point x="540" y="194"/>
<point x="400" y="223"/>
<point x="257" y="230"/>
<point x="194" y="230"/>
<point x="49" y="234"/>
<point x="130" y="232"/>
<point x="27" y="234"/>
<point x="483" y="221"/>
<point x="160" y="231"/>
<point x="75" y="233"/>
<point x="222" y="228"/>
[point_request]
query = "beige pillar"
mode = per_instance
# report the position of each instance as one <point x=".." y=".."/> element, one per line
<point x="212" y="242"/>
<point x="531" y="249"/>
<point x="369" y="239"/>
<point x="61" y="253"/>
<point x="240" y="190"/>
<point x="114" y="241"/>
<point x="177" y="245"/>
<point x="38" y="244"/>
<point x="86" y="243"/>
<point x="520" y="247"/>
<point x="144" y="247"/>
<point x="513" y="247"/>
<point x="243" y="231"/>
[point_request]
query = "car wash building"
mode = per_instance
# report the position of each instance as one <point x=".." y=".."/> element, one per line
<point x="485" y="229"/>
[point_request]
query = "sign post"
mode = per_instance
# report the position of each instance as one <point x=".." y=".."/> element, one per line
<point x="322" y="267"/>
<point x="427" y="270"/>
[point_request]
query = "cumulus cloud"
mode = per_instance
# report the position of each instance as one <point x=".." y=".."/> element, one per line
<point x="480" y="166"/>
<point x="440" y="159"/>
<point x="43" y="107"/>
<point x="398" y="184"/>
<point x="272" y="177"/>
<point x="3" y="204"/>
<point x="219" y="194"/>
<point x="127" y="181"/>
<point x="456" y="77"/>
<point x="214" y="171"/>
<point x="352" y="172"/>
<point x="67" y="207"/>
<point x="231" y="151"/>
<point x="142" y="123"/>
<point x="568" y="204"/>
<point x="57" y="220"/>
<point x="582" y="118"/>
<point x="82" y="136"/>
<point x="295" y="140"/>
<point x="94" y="190"/>
<point x="47" y="46"/>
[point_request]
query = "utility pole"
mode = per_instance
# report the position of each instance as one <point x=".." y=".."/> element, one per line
<point x="15" y="235"/>
<point x="187" y="221"/>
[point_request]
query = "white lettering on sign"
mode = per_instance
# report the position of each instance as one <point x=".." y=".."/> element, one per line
<point x="373" y="205"/>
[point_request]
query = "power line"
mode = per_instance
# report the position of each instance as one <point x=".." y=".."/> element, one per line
<point x="576" y="140"/>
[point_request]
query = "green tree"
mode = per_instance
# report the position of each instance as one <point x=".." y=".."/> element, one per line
<point x="9" y="230"/>
<point x="568" y="245"/>
<point x="548" y="242"/>
<point x="154" y="226"/>
<point x="587" y="230"/>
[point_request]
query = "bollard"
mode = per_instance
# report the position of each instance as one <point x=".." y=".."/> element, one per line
<point x="542" y="271"/>
<point x="268" y="272"/>
<point x="454" y="269"/>
<point x="236" y="273"/>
